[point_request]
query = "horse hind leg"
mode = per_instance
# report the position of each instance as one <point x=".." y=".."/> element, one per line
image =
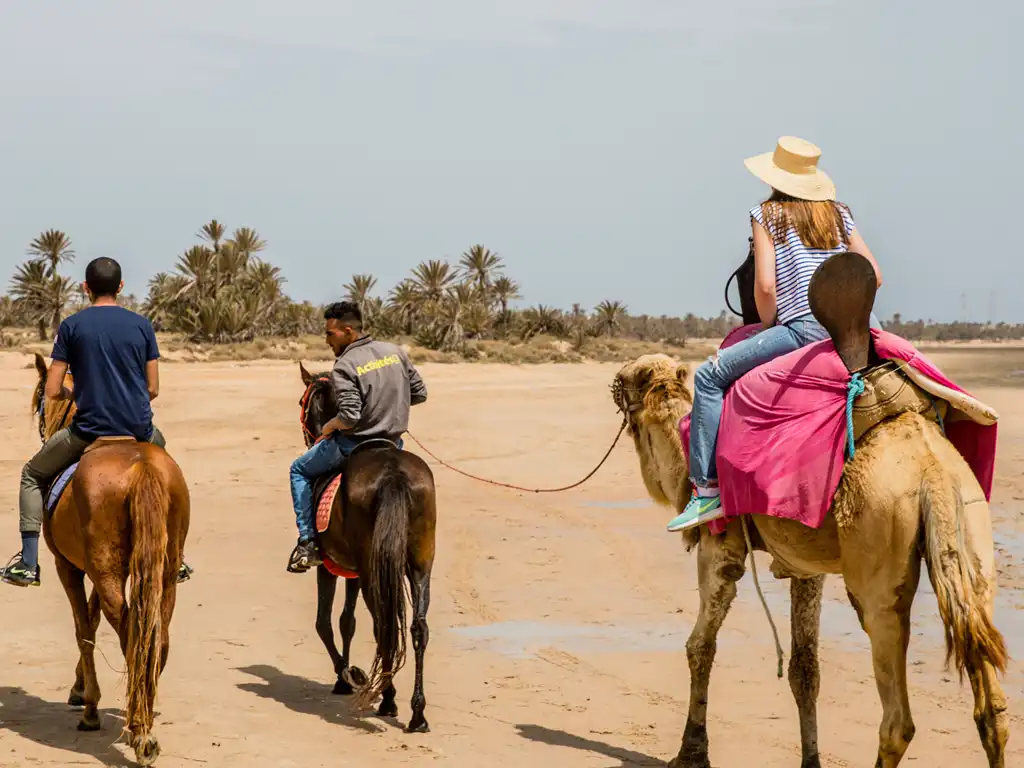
<point x="77" y="696"/>
<point x="720" y="564"/>
<point x="804" y="670"/>
<point x="73" y="581"/>
<point x="420" y="589"/>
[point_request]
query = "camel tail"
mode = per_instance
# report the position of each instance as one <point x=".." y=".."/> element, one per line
<point x="387" y="566"/>
<point x="148" y="508"/>
<point x="960" y="588"/>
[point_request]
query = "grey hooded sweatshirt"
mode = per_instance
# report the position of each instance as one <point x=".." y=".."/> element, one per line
<point x="375" y="384"/>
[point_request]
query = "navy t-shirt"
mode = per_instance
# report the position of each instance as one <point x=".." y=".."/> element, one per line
<point x="107" y="349"/>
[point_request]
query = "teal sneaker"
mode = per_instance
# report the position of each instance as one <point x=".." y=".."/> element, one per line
<point x="700" y="510"/>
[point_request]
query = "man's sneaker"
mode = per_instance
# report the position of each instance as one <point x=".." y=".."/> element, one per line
<point x="19" y="574"/>
<point x="185" y="572"/>
<point x="700" y="510"/>
<point x="304" y="557"/>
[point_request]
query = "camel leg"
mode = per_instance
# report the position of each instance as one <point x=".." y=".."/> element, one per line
<point x="85" y="631"/>
<point x="804" y="672"/>
<point x="420" y="588"/>
<point x="77" y="695"/>
<point x="990" y="712"/>
<point x="350" y="677"/>
<point x="720" y="564"/>
<point x="883" y="597"/>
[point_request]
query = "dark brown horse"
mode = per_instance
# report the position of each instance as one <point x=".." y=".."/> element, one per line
<point x="125" y="514"/>
<point x="382" y="528"/>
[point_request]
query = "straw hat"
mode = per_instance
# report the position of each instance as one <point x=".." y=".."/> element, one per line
<point x="793" y="170"/>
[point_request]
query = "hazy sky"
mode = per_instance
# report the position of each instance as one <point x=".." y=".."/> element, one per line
<point x="596" y="145"/>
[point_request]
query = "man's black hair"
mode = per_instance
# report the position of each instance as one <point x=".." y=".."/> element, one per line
<point x="346" y="313"/>
<point x="103" y="277"/>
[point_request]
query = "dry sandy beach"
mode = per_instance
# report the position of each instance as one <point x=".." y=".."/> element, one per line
<point x="558" y="622"/>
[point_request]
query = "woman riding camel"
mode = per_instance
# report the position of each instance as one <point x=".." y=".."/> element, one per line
<point x="797" y="228"/>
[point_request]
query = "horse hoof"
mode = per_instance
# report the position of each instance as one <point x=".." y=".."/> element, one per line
<point x="387" y="709"/>
<point x="688" y="762"/>
<point x="89" y="725"/>
<point x="147" y="752"/>
<point x="342" y="687"/>
<point x="418" y="724"/>
<point x="356" y="677"/>
<point x="76" y="700"/>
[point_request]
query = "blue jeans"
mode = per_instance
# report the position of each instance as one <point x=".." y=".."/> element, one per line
<point x="715" y="376"/>
<point x="326" y="456"/>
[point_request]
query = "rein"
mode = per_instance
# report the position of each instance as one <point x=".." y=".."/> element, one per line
<point x="624" y="407"/>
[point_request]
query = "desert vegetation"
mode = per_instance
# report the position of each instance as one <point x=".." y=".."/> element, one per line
<point x="222" y="292"/>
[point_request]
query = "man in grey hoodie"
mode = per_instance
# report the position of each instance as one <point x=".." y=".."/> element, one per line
<point x="374" y="385"/>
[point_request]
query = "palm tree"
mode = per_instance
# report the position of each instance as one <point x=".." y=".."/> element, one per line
<point x="358" y="289"/>
<point x="53" y="247"/>
<point x="610" y="315"/>
<point x="432" y="279"/>
<point x="42" y="297"/>
<point x="480" y="266"/>
<point x="246" y="240"/>
<point x="404" y="300"/>
<point x="542" y="319"/>
<point x="213" y="233"/>
<point x="505" y="289"/>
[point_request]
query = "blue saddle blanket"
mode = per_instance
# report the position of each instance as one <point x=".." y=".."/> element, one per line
<point x="59" y="486"/>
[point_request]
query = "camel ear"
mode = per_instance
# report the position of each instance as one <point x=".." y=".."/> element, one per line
<point x="41" y="366"/>
<point x="307" y="377"/>
<point x="682" y="371"/>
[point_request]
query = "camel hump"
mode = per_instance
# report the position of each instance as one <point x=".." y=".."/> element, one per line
<point x="842" y="295"/>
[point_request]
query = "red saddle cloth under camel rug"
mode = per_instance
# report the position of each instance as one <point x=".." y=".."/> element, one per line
<point x="783" y="434"/>
<point x="324" y="504"/>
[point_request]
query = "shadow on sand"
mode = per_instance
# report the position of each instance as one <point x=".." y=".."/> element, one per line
<point x="308" y="697"/>
<point x="54" y="724"/>
<point x="542" y="735"/>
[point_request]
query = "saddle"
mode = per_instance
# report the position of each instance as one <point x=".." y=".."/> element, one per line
<point x="59" y="485"/>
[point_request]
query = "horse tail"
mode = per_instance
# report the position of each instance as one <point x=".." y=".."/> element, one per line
<point x="386" y="577"/>
<point x="148" y="507"/>
<point x="961" y="590"/>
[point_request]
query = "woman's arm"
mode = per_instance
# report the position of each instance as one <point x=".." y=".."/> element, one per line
<point x="764" y="275"/>
<point x="857" y="245"/>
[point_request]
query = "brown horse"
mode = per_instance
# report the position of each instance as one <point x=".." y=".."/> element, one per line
<point x="382" y="527"/>
<point x="125" y="514"/>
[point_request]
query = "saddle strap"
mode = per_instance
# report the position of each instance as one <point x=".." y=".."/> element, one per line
<point x="888" y="392"/>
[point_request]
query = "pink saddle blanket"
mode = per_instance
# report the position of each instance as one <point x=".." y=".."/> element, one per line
<point x="782" y="437"/>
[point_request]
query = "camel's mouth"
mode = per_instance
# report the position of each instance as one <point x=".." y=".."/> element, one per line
<point x="628" y="400"/>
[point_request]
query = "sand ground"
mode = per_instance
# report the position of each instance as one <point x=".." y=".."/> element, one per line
<point x="558" y="622"/>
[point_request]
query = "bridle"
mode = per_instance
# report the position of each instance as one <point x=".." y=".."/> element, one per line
<point x="304" y="405"/>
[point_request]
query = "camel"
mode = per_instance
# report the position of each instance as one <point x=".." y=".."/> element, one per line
<point x="906" y="494"/>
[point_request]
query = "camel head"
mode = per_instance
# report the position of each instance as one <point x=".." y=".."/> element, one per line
<point x="652" y="389"/>
<point x="652" y="392"/>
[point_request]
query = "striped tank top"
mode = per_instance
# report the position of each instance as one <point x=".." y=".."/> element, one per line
<point x="795" y="264"/>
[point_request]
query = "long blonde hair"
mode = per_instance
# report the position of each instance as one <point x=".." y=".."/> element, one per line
<point x="819" y="225"/>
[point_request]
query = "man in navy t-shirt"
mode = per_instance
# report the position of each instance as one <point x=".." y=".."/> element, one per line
<point x="113" y="357"/>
